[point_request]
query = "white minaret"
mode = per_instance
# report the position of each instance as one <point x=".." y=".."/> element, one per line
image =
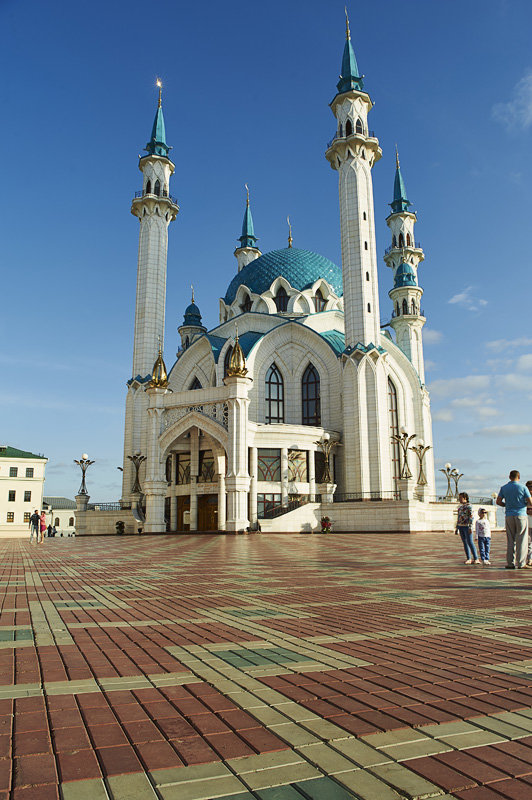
<point x="353" y="152"/>
<point x="403" y="257"/>
<point x="247" y="250"/>
<point x="155" y="209"/>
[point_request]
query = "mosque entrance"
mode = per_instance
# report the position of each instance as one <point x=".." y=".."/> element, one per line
<point x="183" y="512"/>
<point x="208" y="512"/>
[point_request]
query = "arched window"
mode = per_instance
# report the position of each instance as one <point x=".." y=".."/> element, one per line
<point x="394" y="241"/>
<point x="401" y="240"/>
<point x="359" y="127"/>
<point x="56" y="523"/>
<point x="367" y="276"/>
<point x="408" y="239"/>
<point x="310" y="395"/>
<point x="340" y="131"/>
<point x="405" y="307"/>
<point x="319" y="301"/>
<point x="397" y="312"/>
<point x="187" y="342"/>
<point x="157" y="189"/>
<point x="165" y="191"/>
<point x="227" y="359"/>
<point x="369" y="308"/>
<point x="364" y="215"/>
<point x="196" y="384"/>
<point x="281" y="299"/>
<point x="394" y="430"/>
<point x="148" y="187"/>
<point x="365" y="245"/>
<point x="348" y="128"/>
<point x="71" y="522"/>
<point x="363" y="154"/>
<point x="413" y="306"/>
<point x="246" y="305"/>
<point x="274" y="395"/>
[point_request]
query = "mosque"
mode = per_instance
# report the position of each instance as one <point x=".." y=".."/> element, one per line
<point x="298" y="404"/>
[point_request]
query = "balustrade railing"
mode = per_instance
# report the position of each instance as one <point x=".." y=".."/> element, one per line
<point x="116" y="506"/>
<point x="278" y="511"/>
<point x="215" y="410"/>
<point x="152" y="194"/>
<point x="369" y="134"/>
<point x="415" y="245"/>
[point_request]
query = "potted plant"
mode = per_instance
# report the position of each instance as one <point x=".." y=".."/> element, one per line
<point x="326" y="524"/>
<point x="120" y="526"/>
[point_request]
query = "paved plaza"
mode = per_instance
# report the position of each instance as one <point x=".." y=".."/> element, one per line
<point x="267" y="667"/>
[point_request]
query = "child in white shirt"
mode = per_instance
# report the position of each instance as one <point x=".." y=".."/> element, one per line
<point x="483" y="531"/>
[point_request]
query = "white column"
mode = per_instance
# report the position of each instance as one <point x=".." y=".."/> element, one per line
<point x="221" y="502"/>
<point x="154" y="484"/>
<point x="312" y="475"/>
<point x="173" y="512"/>
<point x="194" y="469"/>
<point x="253" y="468"/>
<point x="284" y="476"/>
<point x="237" y="456"/>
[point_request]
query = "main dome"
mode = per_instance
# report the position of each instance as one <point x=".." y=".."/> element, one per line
<point x="301" y="268"/>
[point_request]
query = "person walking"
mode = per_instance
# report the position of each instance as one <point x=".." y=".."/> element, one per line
<point x="529" y="514"/>
<point x="514" y="498"/>
<point x="42" y="527"/>
<point x="34" y="526"/>
<point x="483" y="531"/>
<point x="464" y="527"/>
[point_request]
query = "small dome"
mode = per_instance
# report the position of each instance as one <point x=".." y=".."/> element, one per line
<point x="301" y="268"/>
<point x="405" y="276"/>
<point x="192" y="316"/>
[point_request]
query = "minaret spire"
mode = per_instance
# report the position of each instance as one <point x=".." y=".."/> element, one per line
<point x="400" y="200"/>
<point x="157" y="145"/>
<point x="247" y="250"/>
<point x="350" y="77"/>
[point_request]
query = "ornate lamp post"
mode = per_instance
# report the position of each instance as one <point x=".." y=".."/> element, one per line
<point x="137" y="460"/>
<point x="403" y="439"/>
<point x="84" y="463"/>
<point x="447" y="472"/>
<point x="420" y="450"/>
<point x="455" y="475"/>
<point x="326" y="445"/>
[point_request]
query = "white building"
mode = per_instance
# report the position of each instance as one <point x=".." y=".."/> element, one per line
<point x="61" y="514"/>
<point x="238" y="428"/>
<point x="21" y="489"/>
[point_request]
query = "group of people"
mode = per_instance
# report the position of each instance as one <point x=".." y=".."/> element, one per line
<point x="37" y="526"/>
<point x="516" y="500"/>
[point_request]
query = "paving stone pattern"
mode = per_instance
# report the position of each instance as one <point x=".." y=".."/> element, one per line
<point x="263" y="668"/>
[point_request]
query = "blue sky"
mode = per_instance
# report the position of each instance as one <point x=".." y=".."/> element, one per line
<point x="246" y="96"/>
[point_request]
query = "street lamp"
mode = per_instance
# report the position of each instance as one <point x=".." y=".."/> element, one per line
<point x="447" y="472"/>
<point x="403" y="439"/>
<point x="137" y="460"/>
<point x="420" y="450"/>
<point x="84" y="463"/>
<point x="455" y="475"/>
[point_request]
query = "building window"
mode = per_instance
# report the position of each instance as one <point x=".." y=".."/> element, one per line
<point x="29" y="472"/>
<point x="227" y="359"/>
<point x="157" y="188"/>
<point x="310" y="395"/>
<point x="281" y="299"/>
<point x="206" y="467"/>
<point x="319" y="301"/>
<point x="274" y="395"/>
<point x="27" y="516"/>
<point x="394" y="429"/>
<point x="367" y="276"/>
<point x="359" y="128"/>
<point x="13" y="472"/>
<point x="246" y="305"/>
<point x="267" y="502"/>
<point x="168" y="469"/>
<point x="27" y="497"/>
<point x="56" y="523"/>
<point x="401" y="240"/>
<point x="10" y="516"/>
<point x="408" y="239"/>
<point x="369" y="308"/>
<point x="397" y="312"/>
<point x="348" y="128"/>
<point x="183" y="468"/>
<point x="268" y="464"/>
<point x="413" y="307"/>
<point x="11" y="495"/>
<point x="394" y="241"/>
<point x="297" y="465"/>
<point x="196" y="384"/>
<point x="364" y="215"/>
<point x="365" y="245"/>
<point x="148" y="187"/>
<point x="405" y="307"/>
<point x="70" y="522"/>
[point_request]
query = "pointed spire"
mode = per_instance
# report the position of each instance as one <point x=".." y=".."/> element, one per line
<point x="290" y="240"/>
<point x="400" y="200"/>
<point x="192" y="298"/>
<point x="157" y="145"/>
<point x="247" y="238"/>
<point x="159" y="377"/>
<point x="237" y="363"/>
<point x="349" y="76"/>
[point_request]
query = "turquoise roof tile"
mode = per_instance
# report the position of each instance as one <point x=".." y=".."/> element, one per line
<point x="335" y="339"/>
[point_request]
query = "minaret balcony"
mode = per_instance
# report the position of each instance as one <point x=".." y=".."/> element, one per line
<point x="417" y="315"/>
<point x="356" y="135"/>
<point x="163" y="194"/>
<point x="393" y="247"/>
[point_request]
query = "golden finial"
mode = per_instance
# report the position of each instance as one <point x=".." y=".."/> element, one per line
<point x="159" y="376"/>
<point x="290" y="240"/>
<point x="237" y="362"/>
<point x="159" y="85"/>
<point x="347" y="31"/>
<point x="247" y="194"/>
<point x="192" y="287"/>
<point x="396" y="157"/>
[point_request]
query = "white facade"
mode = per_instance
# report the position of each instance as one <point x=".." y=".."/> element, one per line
<point x="21" y="489"/>
<point x="61" y="513"/>
<point x="223" y="445"/>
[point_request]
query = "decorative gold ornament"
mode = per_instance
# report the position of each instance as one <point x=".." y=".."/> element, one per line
<point x="159" y="376"/>
<point x="159" y="85"/>
<point x="396" y="157"/>
<point x="290" y="240"/>
<point x="237" y="362"/>
<point x="347" y="31"/>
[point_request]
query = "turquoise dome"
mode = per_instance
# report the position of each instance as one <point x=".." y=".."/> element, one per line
<point x="192" y="316"/>
<point x="301" y="268"/>
<point x="405" y="276"/>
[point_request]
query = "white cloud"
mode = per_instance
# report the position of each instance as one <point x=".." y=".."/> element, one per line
<point x="430" y="364"/>
<point x="460" y="386"/>
<point x="517" y="112"/>
<point x="432" y="337"/>
<point x="467" y="300"/>
<point x="505" y="430"/>
<point x="524" y="363"/>
<point x="498" y="345"/>
<point x="443" y="415"/>
<point x="471" y="402"/>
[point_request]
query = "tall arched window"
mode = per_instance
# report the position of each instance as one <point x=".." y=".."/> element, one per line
<point x="274" y="395"/>
<point x="196" y="384"/>
<point x="148" y="187"/>
<point x="408" y="239"/>
<point x="359" y="127"/>
<point x="348" y="128"/>
<point x="319" y="301"/>
<point x="281" y="299"/>
<point x="394" y="241"/>
<point x="227" y="359"/>
<point x="71" y="522"/>
<point x="394" y="430"/>
<point x="56" y="523"/>
<point x="310" y="395"/>
<point x="157" y="188"/>
<point x="401" y="240"/>
<point x="405" y="307"/>
<point x="246" y="305"/>
<point x="413" y="307"/>
<point x="397" y="312"/>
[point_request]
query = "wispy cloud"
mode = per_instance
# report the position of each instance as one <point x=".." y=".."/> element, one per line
<point x="498" y="345"/>
<point x="443" y="415"/>
<point x="432" y="337"/>
<point x="524" y="363"/>
<point x="516" y="114"/>
<point x="467" y="300"/>
<point x="504" y="430"/>
<point x="446" y="387"/>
